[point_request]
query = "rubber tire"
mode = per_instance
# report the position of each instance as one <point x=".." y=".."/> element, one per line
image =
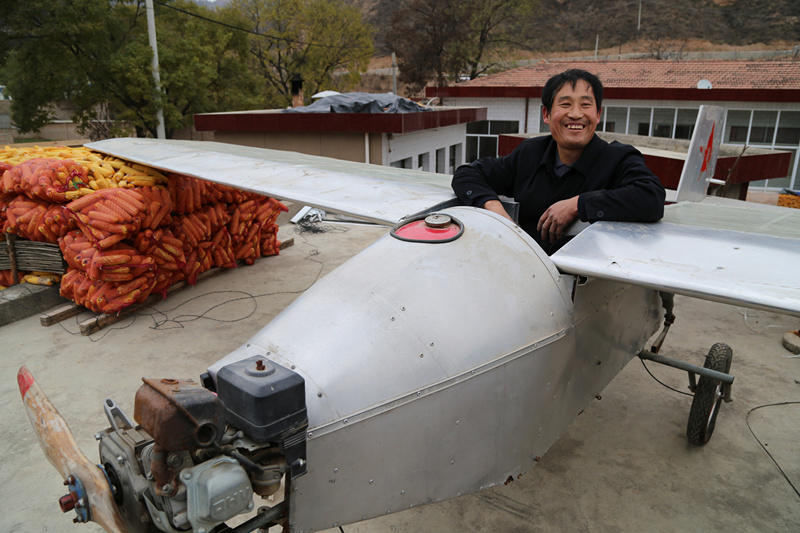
<point x="708" y="396"/>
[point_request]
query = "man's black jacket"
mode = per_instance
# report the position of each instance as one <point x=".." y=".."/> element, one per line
<point x="611" y="178"/>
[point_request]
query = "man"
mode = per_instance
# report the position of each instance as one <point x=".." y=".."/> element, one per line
<point x="566" y="175"/>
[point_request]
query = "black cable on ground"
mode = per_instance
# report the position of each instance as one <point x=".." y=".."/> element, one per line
<point x="763" y="447"/>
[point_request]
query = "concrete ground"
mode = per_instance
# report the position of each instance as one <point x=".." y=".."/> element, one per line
<point x="622" y="466"/>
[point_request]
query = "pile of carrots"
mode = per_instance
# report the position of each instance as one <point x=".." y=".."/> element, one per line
<point x="127" y="231"/>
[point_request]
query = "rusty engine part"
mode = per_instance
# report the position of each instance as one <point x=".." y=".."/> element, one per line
<point x="180" y="415"/>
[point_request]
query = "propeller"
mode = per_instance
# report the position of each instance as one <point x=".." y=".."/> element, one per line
<point x="90" y="493"/>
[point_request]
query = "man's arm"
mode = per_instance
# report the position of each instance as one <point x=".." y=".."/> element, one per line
<point x="479" y="183"/>
<point x="638" y="195"/>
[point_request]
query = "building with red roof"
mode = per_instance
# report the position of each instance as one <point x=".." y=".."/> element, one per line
<point x="657" y="98"/>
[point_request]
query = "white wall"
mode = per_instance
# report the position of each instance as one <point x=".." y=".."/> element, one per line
<point x="397" y="147"/>
<point x="504" y="109"/>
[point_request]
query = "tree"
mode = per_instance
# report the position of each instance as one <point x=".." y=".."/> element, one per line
<point x="425" y="36"/>
<point x="325" y="42"/>
<point x="95" y="54"/>
<point x="452" y="38"/>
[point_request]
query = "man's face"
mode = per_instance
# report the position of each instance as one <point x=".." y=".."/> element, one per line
<point x="574" y="116"/>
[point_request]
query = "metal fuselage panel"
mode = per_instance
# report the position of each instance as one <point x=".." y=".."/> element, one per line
<point x="477" y="431"/>
<point x="401" y="316"/>
<point x="434" y="370"/>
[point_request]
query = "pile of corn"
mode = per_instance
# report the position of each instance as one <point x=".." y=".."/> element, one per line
<point x="789" y="200"/>
<point x="126" y="230"/>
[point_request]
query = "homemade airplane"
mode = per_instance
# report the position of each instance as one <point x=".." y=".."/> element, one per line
<point x="457" y="346"/>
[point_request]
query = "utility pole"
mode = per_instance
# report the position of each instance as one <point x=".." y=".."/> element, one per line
<point x="151" y="34"/>
<point x="596" y="45"/>
<point x="639" y="19"/>
<point x="394" y="73"/>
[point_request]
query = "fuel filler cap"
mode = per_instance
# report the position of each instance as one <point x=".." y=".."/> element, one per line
<point x="431" y="228"/>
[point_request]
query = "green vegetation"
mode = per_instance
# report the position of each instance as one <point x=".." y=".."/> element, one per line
<point x="95" y="55"/>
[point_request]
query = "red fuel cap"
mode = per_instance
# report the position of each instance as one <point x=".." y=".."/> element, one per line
<point x="434" y="228"/>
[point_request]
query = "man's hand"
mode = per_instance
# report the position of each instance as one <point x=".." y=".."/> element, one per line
<point x="557" y="218"/>
<point x="496" y="207"/>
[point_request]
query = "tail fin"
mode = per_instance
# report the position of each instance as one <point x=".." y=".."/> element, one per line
<point x="698" y="170"/>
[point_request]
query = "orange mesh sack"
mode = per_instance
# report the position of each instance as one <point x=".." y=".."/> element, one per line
<point x="164" y="247"/>
<point x="268" y="210"/>
<point x="159" y="205"/>
<point x="110" y="215"/>
<point x="198" y="260"/>
<point x="188" y="194"/>
<point x="270" y="245"/>
<point x="217" y="215"/>
<point x="77" y="250"/>
<point x="46" y="179"/>
<point x="216" y="192"/>
<point x="6" y="279"/>
<point x="222" y="250"/>
<point x="164" y="280"/>
<point x="105" y="296"/>
<point x="37" y="220"/>
<point x="5" y="199"/>
<point x="192" y="229"/>
<point x="118" y="263"/>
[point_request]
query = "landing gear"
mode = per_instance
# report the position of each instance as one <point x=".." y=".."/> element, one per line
<point x="708" y="395"/>
<point x="710" y="390"/>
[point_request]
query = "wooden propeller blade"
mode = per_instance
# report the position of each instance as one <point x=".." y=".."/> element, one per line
<point x="63" y="453"/>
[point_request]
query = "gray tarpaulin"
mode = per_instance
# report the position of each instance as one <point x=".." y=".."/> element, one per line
<point x="361" y="103"/>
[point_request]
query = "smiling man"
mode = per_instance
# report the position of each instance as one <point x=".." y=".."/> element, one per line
<point x="566" y="175"/>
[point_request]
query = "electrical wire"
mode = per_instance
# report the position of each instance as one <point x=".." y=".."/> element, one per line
<point x="747" y="421"/>
<point x="251" y="32"/>
<point x="163" y="321"/>
<point x="763" y="447"/>
<point x="667" y="386"/>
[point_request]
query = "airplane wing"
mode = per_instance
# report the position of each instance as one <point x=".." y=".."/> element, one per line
<point x="717" y="249"/>
<point x="370" y="192"/>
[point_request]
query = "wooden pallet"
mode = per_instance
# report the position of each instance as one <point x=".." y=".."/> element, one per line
<point x="98" y="321"/>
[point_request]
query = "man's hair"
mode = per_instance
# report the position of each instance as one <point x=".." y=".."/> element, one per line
<point x="571" y="76"/>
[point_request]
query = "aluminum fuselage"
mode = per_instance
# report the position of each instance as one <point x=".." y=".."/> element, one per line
<point x="435" y="370"/>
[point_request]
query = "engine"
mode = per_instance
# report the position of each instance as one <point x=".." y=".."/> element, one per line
<point x="200" y="453"/>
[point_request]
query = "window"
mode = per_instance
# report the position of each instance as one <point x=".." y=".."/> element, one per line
<point x="455" y="158"/>
<point x="788" y="128"/>
<point x="616" y="117"/>
<point x="498" y="127"/>
<point x="663" y="121"/>
<point x="482" y="137"/>
<point x="487" y="147"/>
<point x="640" y="121"/>
<point x="440" y="162"/>
<point x="763" y="129"/>
<point x="736" y="126"/>
<point x="401" y="163"/>
<point x="684" y="126"/>
<point x="472" y="148"/>
<point x="479" y="127"/>
<point x="424" y="161"/>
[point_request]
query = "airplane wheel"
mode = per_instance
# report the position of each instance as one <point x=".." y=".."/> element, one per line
<point x="708" y="396"/>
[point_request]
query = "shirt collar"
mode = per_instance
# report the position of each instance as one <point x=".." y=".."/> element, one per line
<point x="584" y="163"/>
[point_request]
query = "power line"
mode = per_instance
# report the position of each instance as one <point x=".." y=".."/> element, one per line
<point x="245" y="30"/>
